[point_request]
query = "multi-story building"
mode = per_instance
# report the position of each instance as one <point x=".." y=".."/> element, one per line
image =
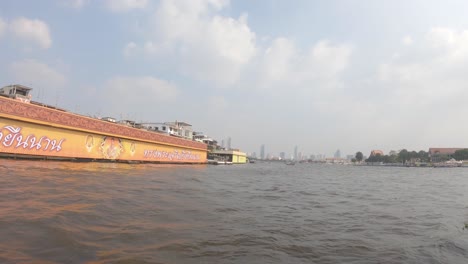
<point x="440" y="154"/>
<point x="178" y="129"/>
<point x="17" y="91"/>
<point x="337" y="154"/>
<point x="201" y="137"/>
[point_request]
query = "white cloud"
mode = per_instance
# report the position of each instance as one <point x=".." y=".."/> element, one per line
<point x="283" y="64"/>
<point x="31" y="30"/>
<point x="125" y="5"/>
<point x="431" y="71"/>
<point x="76" y="3"/>
<point x="36" y="74"/>
<point x="133" y="49"/>
<point x="326" y="60"/>
<point x="419" y="82"/>
<point x="278" y="60"/>
<point x="441" y="37"/>
<point x="427" y="80"/>
<point x="3" y="26"/>
<point x="233" y="39"/>
<point x="451" y="43"/>
<point x="139" y="98"/>
<point x="130" y="49"/>
<point x="208" y="46"/>
<point x="152" y="48"/>
<point x="217" y="103"/>
<point x="140" y="90"/>
<point x="407" y="40"/>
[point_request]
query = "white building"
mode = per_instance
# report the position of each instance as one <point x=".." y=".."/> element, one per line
<point x="17" y="91"/>
<point x="201" y="137"/>
<point x="178" y="129"/>
<point x="131" y="123"/>
<point x="109" y="119"/>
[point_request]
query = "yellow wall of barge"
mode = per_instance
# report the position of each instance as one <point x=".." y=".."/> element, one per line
<point x="26" y="138"/>
<point x="240" y="159"/>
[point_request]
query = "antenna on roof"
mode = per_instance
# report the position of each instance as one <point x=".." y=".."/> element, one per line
<point x="57" y="97"/>
<point x="44" y="94"/>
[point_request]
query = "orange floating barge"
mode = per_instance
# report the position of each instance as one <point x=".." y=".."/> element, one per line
<point x="37" y="131"/>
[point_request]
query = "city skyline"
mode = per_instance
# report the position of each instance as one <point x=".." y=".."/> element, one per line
<point x="328" y="75"/>
<point x="299" y="155"/>
<point x="296" y="154"/>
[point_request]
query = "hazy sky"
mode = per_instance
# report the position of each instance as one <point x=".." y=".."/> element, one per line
<point x="323" y="75"/>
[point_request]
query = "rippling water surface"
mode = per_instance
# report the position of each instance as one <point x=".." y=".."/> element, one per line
<point x="60" y="212"/>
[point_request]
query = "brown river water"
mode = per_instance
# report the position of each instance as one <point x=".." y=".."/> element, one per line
<point x="63" y="212"/>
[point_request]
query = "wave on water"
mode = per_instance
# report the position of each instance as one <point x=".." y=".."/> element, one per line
<point x="62" y="212"/>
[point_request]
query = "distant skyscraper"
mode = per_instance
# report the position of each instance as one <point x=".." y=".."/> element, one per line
<point x="295" y="152"/>
<point x="222" y="143"/>
<point x="262" y="151"/>
<point x="229" y="143"/>
<point x="254" y="155"/>
<point x="282" y="155"/>
<point x="337" y="154"/>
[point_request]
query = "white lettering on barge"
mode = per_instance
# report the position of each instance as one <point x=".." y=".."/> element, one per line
<point x="11" y="137"/>
<point x="174" y="155"/>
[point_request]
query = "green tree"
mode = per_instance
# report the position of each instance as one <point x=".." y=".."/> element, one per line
<point x="390" y="159"/>
<point x="403" y="155"/>
<point x="376" y="158"/>
<point x="359" y="156"/>
<point x="461" y="154"/>
<point x="423" y="156"/>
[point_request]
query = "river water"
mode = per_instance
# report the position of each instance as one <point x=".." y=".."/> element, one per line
<point x="61" y="212"/>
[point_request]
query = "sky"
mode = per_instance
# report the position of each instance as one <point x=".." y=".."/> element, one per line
<point x="353" y="75"/>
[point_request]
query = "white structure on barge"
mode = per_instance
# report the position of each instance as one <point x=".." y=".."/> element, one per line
<point x="17" y="91"/>
<point x="178" y="129"/>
